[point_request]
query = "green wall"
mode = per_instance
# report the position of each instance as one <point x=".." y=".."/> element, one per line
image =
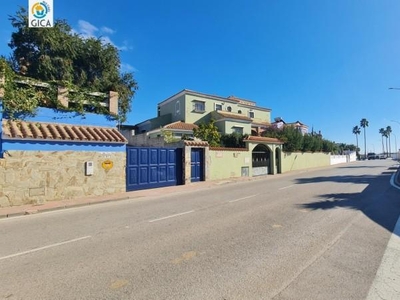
<point x="292" y="161"/>
<point x="227" y="163"/>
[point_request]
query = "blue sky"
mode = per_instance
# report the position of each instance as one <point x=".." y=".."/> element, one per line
<point x="325" y="63"/>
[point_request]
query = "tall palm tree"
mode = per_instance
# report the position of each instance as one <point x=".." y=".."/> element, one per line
<point x="382" y="132"/>
<point x="356" y="131"/>
<point x="364" y="124"/>
<point x="388" y="132"/>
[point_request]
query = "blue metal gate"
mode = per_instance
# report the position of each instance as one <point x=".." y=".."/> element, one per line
<point x="196" y="162"/>
<point x="153" y="167"/>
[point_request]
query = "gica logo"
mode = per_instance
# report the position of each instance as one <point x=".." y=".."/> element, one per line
<point x="40" y="15"/>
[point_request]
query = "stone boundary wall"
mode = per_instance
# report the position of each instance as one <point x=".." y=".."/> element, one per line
<point x="35" y="177"/>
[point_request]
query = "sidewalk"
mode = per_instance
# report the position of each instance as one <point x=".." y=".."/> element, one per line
<point x="28" y="209"/>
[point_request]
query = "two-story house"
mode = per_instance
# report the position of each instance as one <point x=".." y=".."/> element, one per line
<point x="183" y="111"/>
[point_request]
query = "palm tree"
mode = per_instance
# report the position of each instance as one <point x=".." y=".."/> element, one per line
<point x="388" y="132"/>
<point x="356" y="131"/>
<point x="382" y="132"/>
<point x="364" y="124"/>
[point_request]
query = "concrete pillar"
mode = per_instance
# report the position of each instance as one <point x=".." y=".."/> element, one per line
<point x="113" y="102"/>
<point x="62" y="96"/>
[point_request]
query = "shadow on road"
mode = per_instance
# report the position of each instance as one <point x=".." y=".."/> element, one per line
<point x="379" y="201"/>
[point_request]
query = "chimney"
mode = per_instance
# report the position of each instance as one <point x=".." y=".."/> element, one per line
<point x="113" y="102"/>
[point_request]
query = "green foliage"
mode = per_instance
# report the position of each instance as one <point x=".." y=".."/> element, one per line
<point x="208" y="132"/>
<point x="60" y="56"/>
<point x="169" y="137"/>
<point x="295" y="141"/>
<point x="233" y="140"/>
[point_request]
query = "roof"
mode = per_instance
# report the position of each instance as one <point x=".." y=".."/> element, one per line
<point x="231" y="115"/>
<point x="263" y="139"/>
<point x="16" y="129"/>
<point x="179" y="125"/>
<point x="196" y="143"/>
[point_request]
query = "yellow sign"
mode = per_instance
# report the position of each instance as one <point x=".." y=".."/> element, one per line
<point x="107" y="165"/>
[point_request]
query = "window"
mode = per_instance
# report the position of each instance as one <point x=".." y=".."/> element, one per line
<point x="236" y="129"/>
<point x="251" y="114"/>
<point x="177" y="108"/>
<point x="229" y="108"/>
<point x="199" y="106"/>
<point x="218" y="106"/>
<point x="239" y="111"/>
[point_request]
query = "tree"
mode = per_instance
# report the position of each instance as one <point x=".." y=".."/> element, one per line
<point x="364" y="124"/>
<point x="388" y="132"/>
<point x="233" y="140"/>
<point x="208" y="132"/>
<point x="356" y="131"/>
<point x="382" y="131"/>
<point x="59" y="55"/>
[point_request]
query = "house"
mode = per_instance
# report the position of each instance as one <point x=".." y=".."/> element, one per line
<point x="183" y="111"/>
<point x="280" y="123"/>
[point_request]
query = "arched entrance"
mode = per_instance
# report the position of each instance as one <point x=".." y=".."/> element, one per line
<point x="261" y="160"/>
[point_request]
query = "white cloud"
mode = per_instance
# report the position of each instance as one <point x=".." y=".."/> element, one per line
<point x="127" y="68"/>
<point x="88" y="30"/>
<point x="107" y="30"/>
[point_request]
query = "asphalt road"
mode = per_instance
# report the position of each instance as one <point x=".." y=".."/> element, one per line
<point x="312" y="235"/>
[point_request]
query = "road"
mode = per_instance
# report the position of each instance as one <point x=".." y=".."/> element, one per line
<point x="318" y="234"/>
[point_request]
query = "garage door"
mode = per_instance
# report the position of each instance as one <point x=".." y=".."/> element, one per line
<point x="153" y="167"/>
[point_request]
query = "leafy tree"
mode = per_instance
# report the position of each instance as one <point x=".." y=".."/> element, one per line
<point x="293" y="139"/>
<point x="364" y="124"/>
<point x="208" y="132"/>
<point x="59" y="55"/>
<point x="169" y="137"/>
<point x="233" y="140"/>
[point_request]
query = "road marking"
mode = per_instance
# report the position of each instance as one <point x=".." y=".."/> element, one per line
<point x="286" y="187"/>
<point x="244" y="198"/>
<point x="386" y="284"/>
<point x="392" y="181"/>
<point x="45" y="247"/>
<point x="172" y="216"/>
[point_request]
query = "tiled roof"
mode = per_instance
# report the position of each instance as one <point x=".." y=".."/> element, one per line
<point x="263" y="139"/>
<point x="231" y="115"/>
<point x="65" y="132"/>
<point x="196" y="143"/>
<point x="181" y="126"/>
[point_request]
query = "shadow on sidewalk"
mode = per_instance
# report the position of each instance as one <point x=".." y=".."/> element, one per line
<point x="381" y="205"/>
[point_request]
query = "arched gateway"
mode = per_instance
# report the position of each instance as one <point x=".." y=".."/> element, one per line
<point x="266" y="155"/>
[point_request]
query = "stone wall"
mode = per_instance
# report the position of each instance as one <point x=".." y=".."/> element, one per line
<point x="34" y="177"/>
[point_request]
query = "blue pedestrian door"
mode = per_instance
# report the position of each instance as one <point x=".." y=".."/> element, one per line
<point x="197" y="164"/>
<point x="153" y="167"/>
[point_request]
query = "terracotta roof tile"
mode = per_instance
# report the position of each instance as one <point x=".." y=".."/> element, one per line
<point x="181" y="125"/>
<point x="50" y="131"/>
<point x="231" y="115"/>
<point x="264" y="139"/>
<point x="196" y="143"/>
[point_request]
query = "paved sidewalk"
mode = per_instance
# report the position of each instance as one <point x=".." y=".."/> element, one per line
<point x="12" y="211"/>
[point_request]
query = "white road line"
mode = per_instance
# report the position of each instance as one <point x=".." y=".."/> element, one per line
<point x="45" y="247"/>
<point x="386" y="284"/>
<point x="235" y="200"/>
<point x="393" y="183"/>
<point x="171" y="216"/>
<point x="286" y="187"/>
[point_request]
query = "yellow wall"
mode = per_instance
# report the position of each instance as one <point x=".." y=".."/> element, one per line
<point x="292" y="161"/>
